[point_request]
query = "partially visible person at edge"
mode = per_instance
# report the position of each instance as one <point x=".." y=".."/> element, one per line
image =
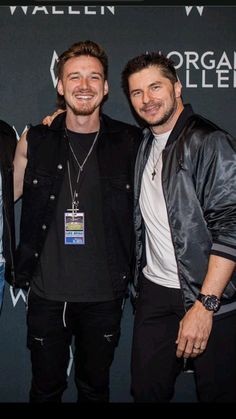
<point x="185" y="222"/>
<point x="7" y="224"/>
<point x="76" y="235"/>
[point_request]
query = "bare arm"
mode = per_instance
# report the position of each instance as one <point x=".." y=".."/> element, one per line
<point x="20" y="162"/>
<point x="219" y="273"/>
<point x="196" y="325"/>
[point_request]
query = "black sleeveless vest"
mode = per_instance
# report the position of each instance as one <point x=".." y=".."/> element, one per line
<point x="48" y="152"/>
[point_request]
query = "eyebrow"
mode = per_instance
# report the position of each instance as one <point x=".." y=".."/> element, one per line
<point x="73" y="73"/>
<point x="150" y="85"/>
<point x="134" y="90"/>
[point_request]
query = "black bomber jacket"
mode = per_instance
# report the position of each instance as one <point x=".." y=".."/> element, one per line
<point x="199" y="186"/>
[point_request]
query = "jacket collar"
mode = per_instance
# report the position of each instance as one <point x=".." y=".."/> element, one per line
<point x="181" y="121"/>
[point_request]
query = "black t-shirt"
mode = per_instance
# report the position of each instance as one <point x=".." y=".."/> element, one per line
<point x="76" y="273"/>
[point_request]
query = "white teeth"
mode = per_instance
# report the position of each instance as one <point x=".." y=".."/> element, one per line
<point x="84" y="97"/>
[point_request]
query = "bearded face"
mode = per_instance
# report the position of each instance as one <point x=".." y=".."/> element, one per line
<point x="83" y="85"/>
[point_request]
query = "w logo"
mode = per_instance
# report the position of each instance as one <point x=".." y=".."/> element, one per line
<point x="52" y="68"/>
<point x="17" y="134"/>
<point x="15" y="297"/>
<point x="188" y="9"/>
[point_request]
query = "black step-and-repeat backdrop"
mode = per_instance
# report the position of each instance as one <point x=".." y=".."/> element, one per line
<point x="200" y="40"/>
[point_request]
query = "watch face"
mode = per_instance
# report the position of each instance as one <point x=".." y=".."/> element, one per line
<point x="211" y="302"/>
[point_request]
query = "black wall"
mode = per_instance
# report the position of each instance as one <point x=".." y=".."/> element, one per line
<point x="201" y="40"/>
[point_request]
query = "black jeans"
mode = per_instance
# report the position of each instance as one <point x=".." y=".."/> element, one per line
<point x="51" y="326"/>
<point x="155" y="366"/>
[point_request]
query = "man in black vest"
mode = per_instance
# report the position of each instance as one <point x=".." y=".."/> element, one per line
<point x="7" y="227"/>
<point x="76" y="236"/>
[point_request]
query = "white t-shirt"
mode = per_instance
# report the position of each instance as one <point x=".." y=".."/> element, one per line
<point x="161" y="266"/>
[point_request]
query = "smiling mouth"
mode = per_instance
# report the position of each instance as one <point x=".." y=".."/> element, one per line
<point x="151" y="108"/>
<point x="151" y="111"/>
<point x="83" y="97"/>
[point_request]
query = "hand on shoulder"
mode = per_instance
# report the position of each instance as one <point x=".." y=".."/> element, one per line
<point x="49" y="118"/>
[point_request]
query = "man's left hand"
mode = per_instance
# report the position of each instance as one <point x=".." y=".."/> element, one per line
<point x="194" y="331"/>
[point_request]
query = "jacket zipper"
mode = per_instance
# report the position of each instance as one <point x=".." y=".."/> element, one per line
<point x="173" y="242"/>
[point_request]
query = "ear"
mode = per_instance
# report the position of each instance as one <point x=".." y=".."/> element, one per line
<point x="106" y="88"/>
<point x="178" y="89"/>
<point x="60" y="88"/>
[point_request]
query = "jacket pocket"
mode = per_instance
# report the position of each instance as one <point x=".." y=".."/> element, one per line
<point x="121" y="198"/>
<point x="37" y="179"/>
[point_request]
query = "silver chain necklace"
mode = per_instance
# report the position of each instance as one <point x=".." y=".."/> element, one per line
<point x="74" y="195"/>
<point x="155" y="162"/>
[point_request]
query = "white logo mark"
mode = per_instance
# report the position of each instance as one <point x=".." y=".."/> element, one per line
<point x="52" y="67"/>
<point x="16" y="297"/>
<point x="199" y="9"/>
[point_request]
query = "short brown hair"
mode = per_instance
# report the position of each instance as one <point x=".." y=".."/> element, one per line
<point x="146" y="60"/>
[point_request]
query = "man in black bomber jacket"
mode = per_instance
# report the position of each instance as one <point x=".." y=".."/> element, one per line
<point x="185" y="225"/>
<point x="7" y="226"/>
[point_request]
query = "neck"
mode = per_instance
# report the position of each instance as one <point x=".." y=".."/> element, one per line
<point x="82" y="123"/>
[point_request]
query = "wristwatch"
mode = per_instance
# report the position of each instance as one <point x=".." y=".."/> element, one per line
<point x="210" y="302"/>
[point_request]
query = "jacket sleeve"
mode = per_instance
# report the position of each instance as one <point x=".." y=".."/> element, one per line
<point x="216" y="190"/>
<point x="9" y="135"/>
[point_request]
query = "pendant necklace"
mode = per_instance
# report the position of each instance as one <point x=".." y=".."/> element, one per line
<point x="74" y="194"/>
<point x="155" y="162"/>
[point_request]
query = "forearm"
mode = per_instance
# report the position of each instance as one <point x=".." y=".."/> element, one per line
<point x="196" y="325"/>
<point x="218" y="275"/>
<point x="18" y="188"/>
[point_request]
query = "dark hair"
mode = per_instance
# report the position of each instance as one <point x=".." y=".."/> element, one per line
<point x="146" y="60"/>
<point x="88" y="48"/>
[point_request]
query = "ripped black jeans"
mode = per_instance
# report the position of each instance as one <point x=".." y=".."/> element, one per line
<point x="51" y="327"/>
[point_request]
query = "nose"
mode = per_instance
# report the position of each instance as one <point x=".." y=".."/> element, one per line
<point x="83" y="83"/>
<point x="146" y="97"/>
